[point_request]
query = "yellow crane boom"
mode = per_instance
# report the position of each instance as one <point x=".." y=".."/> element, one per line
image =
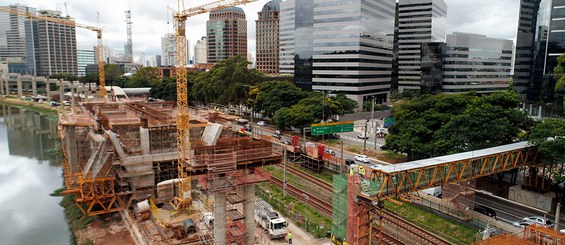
<point x="68" y="22"/>
<point x="183" y="198"/>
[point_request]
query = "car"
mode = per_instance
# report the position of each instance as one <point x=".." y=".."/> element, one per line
<point x="278" y="136"/>
<point x="485" y="210"/>
<point x="361" y="136"/>
<point x="533" y="220"/>
<point x="349" y="162"/>
<point x="291" y="128"/>
<point x="261" y="123"/>
<point x="332" y="152"/>
<point x="362" y="158"/>
<point x="377" y="166"/>
<point x="334" y="136"/>
<point x="247" y="127"/>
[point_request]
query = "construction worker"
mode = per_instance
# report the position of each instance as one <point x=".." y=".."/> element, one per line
<point x="351" y="170"/>
<point x="289" y="237"/>
<point x="362" y="171"/>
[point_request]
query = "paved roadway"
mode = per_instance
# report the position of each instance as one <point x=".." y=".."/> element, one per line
<point x="347" y="138"/>
<point x="509" y="211"/>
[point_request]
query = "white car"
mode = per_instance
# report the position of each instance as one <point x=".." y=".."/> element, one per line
<point x="362" y="158"/>
<point x="361" y="136"/>
<point x="533" y="220"/>
<point x="261" y="123"/>
<point x="332" y="152"/>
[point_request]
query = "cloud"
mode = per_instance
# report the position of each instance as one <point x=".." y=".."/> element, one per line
<point x="493" y="18"/>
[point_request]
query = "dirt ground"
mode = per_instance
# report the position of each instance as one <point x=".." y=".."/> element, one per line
<point x="111" y="233"/>
<point x="300" y="237"/>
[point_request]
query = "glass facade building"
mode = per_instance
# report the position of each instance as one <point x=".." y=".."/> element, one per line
<point x="84" y="58"/>
<point x="540" y="40"/>
<point x="419" y="21"/>
<point x="477" y="63"/>
<point x="431" y="64"/>
<point x="226" y="31"/>
<point x="18" y="39"/>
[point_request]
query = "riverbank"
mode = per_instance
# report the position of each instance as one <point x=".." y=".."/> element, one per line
<point x="41" y="108"/>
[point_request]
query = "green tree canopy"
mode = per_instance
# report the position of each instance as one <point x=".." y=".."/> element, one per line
<point x="433" y="125"/>
<point x="144" y="77"/>
<point x="313" y="109"/>
<point x="272" y="95"/>
<point x="226" y="83"/>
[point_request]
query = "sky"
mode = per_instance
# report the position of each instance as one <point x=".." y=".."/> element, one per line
<point x="151" y="20"/>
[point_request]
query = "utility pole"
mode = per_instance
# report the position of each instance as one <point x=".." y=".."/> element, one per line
<point x="284" y="170"/>
<point x="373" y="121"/>
<point x="557" y="217"/>
<point x="365" y="136"/>
<point x="341" y="162"/>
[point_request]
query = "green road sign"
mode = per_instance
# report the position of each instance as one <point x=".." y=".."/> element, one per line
<point x="331" y="128"/>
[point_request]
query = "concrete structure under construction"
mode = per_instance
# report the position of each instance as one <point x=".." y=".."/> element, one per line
<point x="119" y="153"/>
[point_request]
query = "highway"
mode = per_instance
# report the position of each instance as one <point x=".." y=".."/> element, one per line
<point x="510" y="211"/>
<point x="348" y="138"/>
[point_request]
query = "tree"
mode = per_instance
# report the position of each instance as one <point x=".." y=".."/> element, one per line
<point x="165" y="89"/>
<point x="312" y="109"/>
<point x="549" y="138"/>
<point x="144" y="77"/>
<point x="226" y="83"/>
<point x="434" y="125"/>
<point x="270" y="96"/>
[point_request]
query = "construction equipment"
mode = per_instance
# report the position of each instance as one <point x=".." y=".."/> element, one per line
<point x="183" y="198"/>
<point x="69" y="22"/>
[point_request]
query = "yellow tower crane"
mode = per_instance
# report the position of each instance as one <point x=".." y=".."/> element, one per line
<point x="183" y="198"/>
<point x="69" y="22"/>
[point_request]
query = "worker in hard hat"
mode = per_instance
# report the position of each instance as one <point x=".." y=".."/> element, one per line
<point x="289" y="237"/>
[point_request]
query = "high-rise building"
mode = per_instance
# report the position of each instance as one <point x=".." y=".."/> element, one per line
<point x="201" y="51"/>
<point x="168" y="50"/>
<point x="431" y="63"/>
<point x="226" y="30"/>
<point x="107" y="54"/>
<point x="84" y="58"/>
<point x="477" y="63"/>
<point x="267" y="38"/>
<point x="17" y="40"/>
<point x="296" y="41"/>
<point x="57" y="46"/>
<point x="353" y="48"/>
<point x="539" y="41"/>
<point x="419" y="21"/>
<point x="158" y="61"/>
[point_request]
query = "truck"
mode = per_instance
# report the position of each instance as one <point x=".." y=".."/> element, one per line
<point x="270" y="220"/>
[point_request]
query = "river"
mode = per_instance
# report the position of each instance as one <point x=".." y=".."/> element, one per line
<point x="28" y="174"/>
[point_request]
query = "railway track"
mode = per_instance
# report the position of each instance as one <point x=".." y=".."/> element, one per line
<point x="326" y="208"/>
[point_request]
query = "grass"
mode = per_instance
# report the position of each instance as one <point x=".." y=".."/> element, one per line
<point x="314" y="222"/>
<point x="49" y="112"/>
<point x="296" y="181"/>
<point x="76" y="219"/>
<point x="456" y="233"/>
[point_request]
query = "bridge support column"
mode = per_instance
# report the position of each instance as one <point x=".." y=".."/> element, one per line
<point x="249" y="213"/>
<point x="220" y="218"/>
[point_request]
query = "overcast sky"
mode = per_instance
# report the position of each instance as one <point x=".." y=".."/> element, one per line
<point x="494" y="18"/>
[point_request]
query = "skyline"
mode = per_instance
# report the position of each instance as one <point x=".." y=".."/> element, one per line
<point x="497" y="19"/>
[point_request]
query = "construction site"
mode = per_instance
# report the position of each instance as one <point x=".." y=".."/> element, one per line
<point x="121" y="156"/>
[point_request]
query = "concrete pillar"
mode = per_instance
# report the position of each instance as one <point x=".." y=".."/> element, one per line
<point x="7" y="86"/>
<point x="144" y="137"/>
<point x="249" y="213"/>
<point x="61" y="94"/>
<point x="48" y="88"/>
<point x="2" y="81"/>
<point x="34" y="87"/>
<point x="20" y="89"/>
<point x="220" y="230"/>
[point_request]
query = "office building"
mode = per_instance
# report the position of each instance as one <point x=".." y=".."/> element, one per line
<point x="168" y="50"/>
<point x="477" y="63"/>
<point x="419" y="21"/>
<point x="84" y="58"/>
<point x="353" y="48"/>
<point x="296" y="41"/>
<point x="431" y="63"/>
<point x="539" y="41"/>
<point x="57" y="46"/>
<point x="267" y="38"/>
<point x="226" y="30"/>
<point x="201" y="51"/>
<point x="17" y="40"/>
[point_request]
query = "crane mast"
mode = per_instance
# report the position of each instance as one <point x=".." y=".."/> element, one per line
<point x="68" y="22"/>
<point x="184" y="198"/>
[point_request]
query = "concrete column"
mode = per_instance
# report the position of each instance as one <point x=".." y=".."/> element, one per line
<point x="34" y="87"/>
<point x="2" y="81"/>
<point x="7" y="86"/>
<point x="220" y="230"/>
<point x="144" y="137"/>
<point x="249" y="213"/>
<point x="48" y="89"/>
<point x="61" y="94"/>
<point x="20" y="89"/>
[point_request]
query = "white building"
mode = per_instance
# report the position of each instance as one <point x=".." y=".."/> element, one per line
<point x="168" y="50"/>
<point x="201" y="51"/>
<point x="84" y="58"/>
